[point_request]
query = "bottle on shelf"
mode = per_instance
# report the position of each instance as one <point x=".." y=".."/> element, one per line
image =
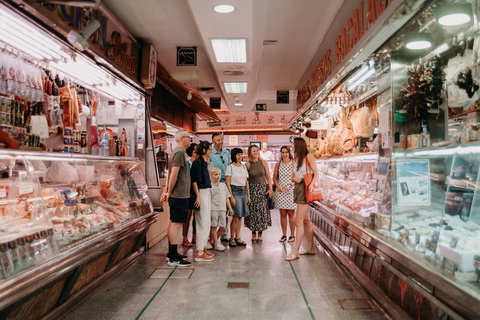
<point x="403" y="139"/>
<point x="104" y="149"/>
<point x="425" y="135"/>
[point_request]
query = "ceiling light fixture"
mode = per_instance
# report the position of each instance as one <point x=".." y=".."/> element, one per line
<point x="238" y="104"/>
<point x="418" y="41"/>
<point x="224" y="8"/>
<point x="230" y="50"/>
<point x="235" y="87"/>
<point x="367" y="75"/>
<point x="454" y="14"/>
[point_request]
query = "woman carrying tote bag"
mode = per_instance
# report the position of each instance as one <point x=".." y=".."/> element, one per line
<point x="303" y="223"/>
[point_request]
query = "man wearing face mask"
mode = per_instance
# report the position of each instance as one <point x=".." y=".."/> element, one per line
<point x="220" y="158"/>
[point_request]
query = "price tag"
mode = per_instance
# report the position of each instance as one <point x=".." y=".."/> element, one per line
<point x="25" y="190"/>
<point x="70" y="202"/>
<point x="476" y="262"/>
<point x="453" y="242"/>
<point x="449" y="266"/>
<point x="417" y="239"/>
<point x="93" y="207"/>
<point x="3" y="193"/>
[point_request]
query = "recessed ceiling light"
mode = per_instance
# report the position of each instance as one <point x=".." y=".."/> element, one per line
<point x="224" y="8"/>
<point x="230" y="50"/>
<point x="454" y="14"/>
<point x="418" y="41"/>
<point x="235" y="87"/>
<point x="238" y="104"/>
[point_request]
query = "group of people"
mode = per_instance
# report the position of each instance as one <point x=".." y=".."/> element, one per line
<point x="215" y="184"/>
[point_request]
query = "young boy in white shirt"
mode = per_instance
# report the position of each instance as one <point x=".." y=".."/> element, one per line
<point x="220" y="201"/>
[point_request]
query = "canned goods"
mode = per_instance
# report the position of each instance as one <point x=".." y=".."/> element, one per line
<point x="68" y="131"/>
<point x="3" y="118"/>
<point x="8" y="105"/>
<point x="3" y="106"/>
<point x="83" y="139"/>
<point x="7" y="118"/>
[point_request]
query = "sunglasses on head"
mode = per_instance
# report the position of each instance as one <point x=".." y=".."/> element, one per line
<point x="221" y="157"/>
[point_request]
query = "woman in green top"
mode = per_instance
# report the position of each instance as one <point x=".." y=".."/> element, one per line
<point x="258" y="180"/>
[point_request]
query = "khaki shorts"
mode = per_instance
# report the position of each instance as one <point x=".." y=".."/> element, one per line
<point x="299" y="193"/>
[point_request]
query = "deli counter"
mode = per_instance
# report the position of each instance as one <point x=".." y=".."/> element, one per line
<point x="68" y="224"/>
<point x="408" y="228"/>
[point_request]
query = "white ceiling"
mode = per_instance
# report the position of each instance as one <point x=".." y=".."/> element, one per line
<point x="298" y="26"/>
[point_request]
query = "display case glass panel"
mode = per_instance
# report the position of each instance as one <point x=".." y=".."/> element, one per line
<point x="52" y="203"/>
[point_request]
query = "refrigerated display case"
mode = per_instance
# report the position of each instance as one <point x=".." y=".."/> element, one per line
<point x="66" y="221"/>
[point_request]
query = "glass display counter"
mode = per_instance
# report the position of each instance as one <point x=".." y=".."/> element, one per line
<point x="69" y="219"/>
<point x="348" y="185"/>
<point x="436" y="210"/>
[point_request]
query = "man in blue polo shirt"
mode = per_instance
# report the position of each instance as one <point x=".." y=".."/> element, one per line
<point x="220" y="158"/>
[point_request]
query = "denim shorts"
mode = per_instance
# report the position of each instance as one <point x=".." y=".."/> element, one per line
<point x="241" y="207"/>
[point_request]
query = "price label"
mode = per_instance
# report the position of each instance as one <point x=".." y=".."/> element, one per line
<point x="25" y="190"/>
<point x="417" y="239"/>
<point x="3" y="193"/>
<point x="93" y="207"/>
<point x="476" y="262"/>
<point x="453" y="242"/>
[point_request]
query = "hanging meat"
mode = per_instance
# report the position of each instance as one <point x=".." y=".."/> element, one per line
<point x="363" y="122"/>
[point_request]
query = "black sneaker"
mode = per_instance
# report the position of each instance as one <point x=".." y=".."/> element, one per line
<point x="178" y="262"/>
<point x="179" y="255"/>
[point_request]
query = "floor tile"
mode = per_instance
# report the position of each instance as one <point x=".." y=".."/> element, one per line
<point x="276" y="290"/>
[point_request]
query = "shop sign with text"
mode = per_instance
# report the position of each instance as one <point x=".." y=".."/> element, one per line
<point x="362" y="19"/>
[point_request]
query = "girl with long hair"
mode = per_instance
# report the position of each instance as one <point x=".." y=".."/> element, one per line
<point x="302" y="219"/>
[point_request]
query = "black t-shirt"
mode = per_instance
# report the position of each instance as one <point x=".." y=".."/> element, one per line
<point x="199" y="174"/>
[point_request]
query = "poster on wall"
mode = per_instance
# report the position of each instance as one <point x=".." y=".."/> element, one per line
<point x="413" y="182"/>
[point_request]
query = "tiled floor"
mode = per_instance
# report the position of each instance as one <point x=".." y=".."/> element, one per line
<point x="322" y="290"/>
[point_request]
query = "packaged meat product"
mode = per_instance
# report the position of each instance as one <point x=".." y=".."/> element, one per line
<point x="61" y="171"/>
<point x="363" y="122"/>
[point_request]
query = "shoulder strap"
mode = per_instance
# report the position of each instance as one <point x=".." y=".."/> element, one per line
<point x="308" y="165"/>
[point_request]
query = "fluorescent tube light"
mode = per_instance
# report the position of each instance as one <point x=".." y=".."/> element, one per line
<point x="235" y="87"/>
<point x="358" y="74"/>
<point x="363" y="78"/>
<point x="238" y="104"/>
<point x="230" y="50"/>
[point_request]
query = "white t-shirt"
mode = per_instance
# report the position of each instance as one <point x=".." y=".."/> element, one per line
<point x="239" y="175"/>
<point x="300" y="172"/>
<point x="219" y="196"/>
<point x="267" y="155"/>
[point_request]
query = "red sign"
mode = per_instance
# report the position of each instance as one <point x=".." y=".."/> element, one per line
<point x="262" y="137"/>
<point x="354" y="29"/>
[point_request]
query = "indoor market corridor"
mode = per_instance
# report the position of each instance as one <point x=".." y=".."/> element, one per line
<point x="265" y="286"/>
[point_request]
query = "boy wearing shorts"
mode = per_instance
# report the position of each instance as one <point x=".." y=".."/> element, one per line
<point x="220" y="201"/>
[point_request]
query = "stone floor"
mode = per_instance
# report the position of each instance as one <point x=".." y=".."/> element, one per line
<point x="313" y="287"/>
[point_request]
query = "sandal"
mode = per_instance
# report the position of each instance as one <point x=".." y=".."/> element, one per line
<point x="293" y="255"/>
<point x="254" y="240"/>
<point x="232" y="243"/>
<point x="291" y="239"/>
<point x="282" y="239"/>
<point x="259" y="240"/>
<point x="240" y="242"/>
<point x="310" y="251"/>
<point x="194" y="239"/>
<point x="187" y="243"/>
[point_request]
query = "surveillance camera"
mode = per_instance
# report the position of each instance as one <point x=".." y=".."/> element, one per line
<point x="257" y="113"/>
<point x="79" y="41"/>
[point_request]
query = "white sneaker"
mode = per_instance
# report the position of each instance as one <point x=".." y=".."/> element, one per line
<point x="208" y="246"/>
<point x="219" y="247"/>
